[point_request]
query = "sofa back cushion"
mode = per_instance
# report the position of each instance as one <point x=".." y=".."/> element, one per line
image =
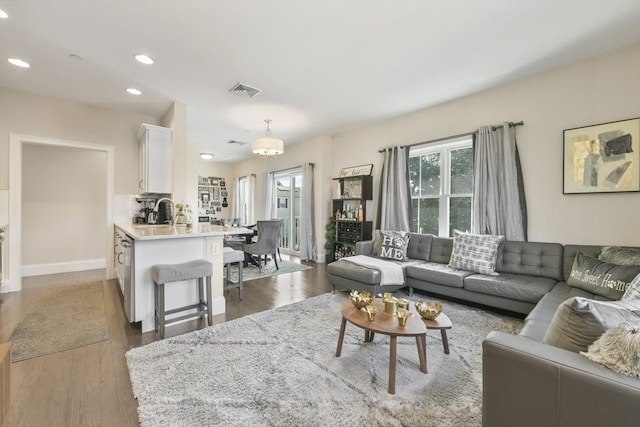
<point x="570" y="252"/>
<point x="419" y="246"/>
<point x="531" y="259"/>
<point x="441" y="248"/>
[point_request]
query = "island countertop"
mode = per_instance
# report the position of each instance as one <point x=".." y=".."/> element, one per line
<point x="158" y="232"/>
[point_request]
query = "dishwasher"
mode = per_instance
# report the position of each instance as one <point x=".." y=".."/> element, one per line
<point x="124" y="268"/>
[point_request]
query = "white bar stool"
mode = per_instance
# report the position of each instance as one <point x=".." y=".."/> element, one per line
<point x="230" y="257"/>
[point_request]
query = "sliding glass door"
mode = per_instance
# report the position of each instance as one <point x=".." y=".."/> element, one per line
<point x="288" y="186"/>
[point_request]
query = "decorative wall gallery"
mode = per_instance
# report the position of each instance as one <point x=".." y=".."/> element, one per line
<point x="212" y="195"/>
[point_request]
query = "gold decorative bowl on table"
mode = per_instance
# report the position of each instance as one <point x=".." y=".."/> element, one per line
<point x="402" y="315"/>
<point x="360" y="299"/>
<point x="429" y="310"/>
<point x="371" y="311"/>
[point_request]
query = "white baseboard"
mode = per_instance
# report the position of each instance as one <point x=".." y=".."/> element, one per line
<point x="63" y="267"/>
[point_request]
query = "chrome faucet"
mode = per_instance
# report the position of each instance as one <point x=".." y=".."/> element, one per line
<point x="175" y="216"/>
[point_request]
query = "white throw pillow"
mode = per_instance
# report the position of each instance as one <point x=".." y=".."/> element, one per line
<point x="618" y="349"/>
<point x="475" y="252"/>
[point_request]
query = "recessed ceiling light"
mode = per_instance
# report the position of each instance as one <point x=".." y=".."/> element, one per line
<point x="134" y="91"/>
<point x="3" y="14"/>
<point x="75" y="57"/>
<point x="206" y="156"/>
<point x="19" y="63"/>
<point x="143" y="59"/>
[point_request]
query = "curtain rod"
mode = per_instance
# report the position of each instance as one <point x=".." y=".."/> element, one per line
<point x="511" y="124"/>
<point x="292" y="168"/>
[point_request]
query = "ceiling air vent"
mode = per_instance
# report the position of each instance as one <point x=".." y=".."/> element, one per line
<point x="243" y="89"/>
<point x="233" y="141"/>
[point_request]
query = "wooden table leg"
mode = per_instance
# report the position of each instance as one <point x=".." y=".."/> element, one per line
<point x="368" y="335"/>
<point x="341" y="337"/>
<point x="421" y="342"/>
<point x="445" y="341"/>
<point x="392" y="364"/>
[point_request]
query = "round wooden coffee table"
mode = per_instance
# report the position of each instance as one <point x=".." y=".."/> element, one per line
<point x="386" y="324"/>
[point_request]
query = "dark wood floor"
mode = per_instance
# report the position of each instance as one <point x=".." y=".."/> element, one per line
<point x="89" y="386"/>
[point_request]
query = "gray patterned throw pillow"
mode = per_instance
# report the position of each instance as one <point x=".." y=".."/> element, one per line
<point x="620" y="255"/>
<point x="475" y="252"/>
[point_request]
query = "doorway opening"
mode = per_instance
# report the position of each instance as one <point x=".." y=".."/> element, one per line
<point x="288" y="186"/>
<point x="16" y="145"/>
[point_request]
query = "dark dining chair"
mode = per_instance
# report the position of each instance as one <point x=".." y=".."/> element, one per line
<point x="267" y="243"/>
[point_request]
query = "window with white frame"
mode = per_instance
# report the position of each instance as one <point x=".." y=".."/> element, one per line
<point x="442" y="186"/>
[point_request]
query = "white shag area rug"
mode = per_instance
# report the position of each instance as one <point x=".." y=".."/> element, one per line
<point x="278" y="368"/>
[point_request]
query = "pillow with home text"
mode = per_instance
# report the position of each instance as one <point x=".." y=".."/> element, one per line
<point x="390" y="244"/>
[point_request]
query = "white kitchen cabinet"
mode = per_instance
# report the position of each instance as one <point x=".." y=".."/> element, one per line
<point x="155" y="159"/>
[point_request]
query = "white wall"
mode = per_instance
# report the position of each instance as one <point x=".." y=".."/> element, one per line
<point x="63" y="204"/>
<point x="603" y="89"/>
<point x="28" y="114"/>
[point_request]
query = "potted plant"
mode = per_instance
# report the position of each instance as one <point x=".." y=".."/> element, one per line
<point x="330" y="239"/>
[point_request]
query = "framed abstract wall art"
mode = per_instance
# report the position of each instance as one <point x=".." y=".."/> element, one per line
<point x="603" y="158"/>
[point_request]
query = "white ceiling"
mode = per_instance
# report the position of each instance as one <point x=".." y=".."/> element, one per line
<point x="324" y="66"/>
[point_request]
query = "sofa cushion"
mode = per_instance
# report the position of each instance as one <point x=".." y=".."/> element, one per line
<point x="419" y="246"/>
<point x="390" y="244"/>
<point x="620" y="255"/>
<point x="601" y="278"/>
<point x="538" y="320"/>
<point x="532" y="259"/>
<point x="512" y="286"/>
<point x="354" y="272"/>
<point x="618" y="349"/>
<point x="441" y="248"/>
<point x="475" y="252"/>
<point x="633" y="291"/>
<point x="441" y="274"/>
<point x="578" y="322"/>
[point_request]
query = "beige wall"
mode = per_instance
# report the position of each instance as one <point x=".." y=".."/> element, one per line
<point x="29" y="114"/>
<point x="63" y="204"/>
<point x="599" y="90"/>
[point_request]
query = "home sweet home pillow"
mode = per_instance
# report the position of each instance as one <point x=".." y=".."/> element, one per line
<point x="601" y="278"/>
<point x="390" y="244"/>
<point x="475" y="252"/>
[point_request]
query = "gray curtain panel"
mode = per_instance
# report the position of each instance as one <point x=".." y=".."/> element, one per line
<point x="499" y="205"/>
<point x="308" y="249"/>
<point x="394" y="203"/>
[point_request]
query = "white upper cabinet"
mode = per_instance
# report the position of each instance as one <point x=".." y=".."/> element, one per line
<point x="155" y="159"/>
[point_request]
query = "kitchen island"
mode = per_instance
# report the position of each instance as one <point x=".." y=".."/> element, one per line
<point x="148" y="245"/>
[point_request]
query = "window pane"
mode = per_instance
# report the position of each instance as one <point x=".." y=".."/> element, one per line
<point x="428" y="220"/>
<point x="459" y="214"/>
<point x="430" y="168"/>
<point x="462" y="171"/>
<point x="415" y="211"/>
<point x="414" y="177"/>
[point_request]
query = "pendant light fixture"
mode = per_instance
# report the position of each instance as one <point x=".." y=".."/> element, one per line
<point x="267" y="146"/>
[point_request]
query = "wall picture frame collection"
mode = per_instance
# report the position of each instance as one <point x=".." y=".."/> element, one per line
<point x="212" y="195"/>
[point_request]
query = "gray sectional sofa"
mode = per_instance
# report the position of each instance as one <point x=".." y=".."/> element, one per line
<point x="525" y="382"/>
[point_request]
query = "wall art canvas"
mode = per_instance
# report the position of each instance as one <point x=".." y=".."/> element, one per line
<point x="602" y="158"/>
